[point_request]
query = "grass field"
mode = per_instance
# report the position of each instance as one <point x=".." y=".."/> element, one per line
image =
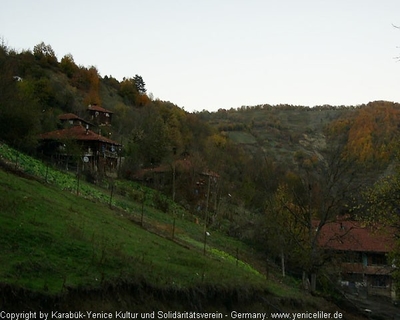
<point x="53" y="239"/>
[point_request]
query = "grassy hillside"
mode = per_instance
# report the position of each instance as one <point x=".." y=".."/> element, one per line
<point x="52" y="238"/>
<point x="278" y="131"/>
<point x="55" y="243"/>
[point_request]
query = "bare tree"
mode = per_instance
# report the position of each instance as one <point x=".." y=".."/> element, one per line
<point x="308" y="200"/>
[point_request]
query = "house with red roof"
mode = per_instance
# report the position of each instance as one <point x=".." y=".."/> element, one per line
<point x="99" y="115"/>
<point x="363" y="254"/>
<point x="72" y="119"/>
<point x="97" y="152"/>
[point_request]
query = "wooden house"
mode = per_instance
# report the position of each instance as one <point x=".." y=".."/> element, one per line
<point x="70" y="119"/>
<point x="99" y="115"/>
<point x="97" y="153"/>
<point x="362" y="253"/>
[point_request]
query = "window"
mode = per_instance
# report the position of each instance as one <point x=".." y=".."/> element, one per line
<point x="352" y="257"/>
<point x="378" y="259"/>
<point x="379" y="281"/>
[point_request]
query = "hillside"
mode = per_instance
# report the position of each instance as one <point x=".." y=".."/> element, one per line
<point x="282" y="131"/>
<point x="278" y="131"/>
<point x="127" y="206"/>
<point x="76" y="252"/>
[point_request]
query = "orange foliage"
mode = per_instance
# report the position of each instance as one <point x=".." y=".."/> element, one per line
<point x="93" y="96"/>
<point x="141" y="100"/>
<point x="371" y="131"/>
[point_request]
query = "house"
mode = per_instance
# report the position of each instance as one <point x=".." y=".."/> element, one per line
<point x="98" y="153"/>
<point x="72" y="120"/>
<point x="99" y="115"/>
<point x="363" y="256"/>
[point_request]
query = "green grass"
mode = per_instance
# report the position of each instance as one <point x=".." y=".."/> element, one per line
<point x="53" y="239"/>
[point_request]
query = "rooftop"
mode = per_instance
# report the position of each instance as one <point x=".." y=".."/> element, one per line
<point x="76" y="133"/>
<point x="353" y="236"/>
<point x="95" y="107"/>
<point x="72" y="116"/>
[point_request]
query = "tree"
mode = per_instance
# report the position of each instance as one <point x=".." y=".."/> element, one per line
<point x="148" y="143"/>
<point x="93" y="95"/>
<point x="133" y="91"/>
<point x="306" y="201"/>
<point x="139" y="84"/>
<point x="128" y="91"/>
<point x="381" y="209"/>
<point x="19" y="111"/>
<point x="68" y="66"/>
<point x="45" y="54"/>
<point x="371" y="132"/>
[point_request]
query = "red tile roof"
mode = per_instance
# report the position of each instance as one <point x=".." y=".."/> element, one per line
<point x="95" y="107"/>
<point x="68" y="116"/>
<point x="72" y="116"/>
<point x="353" y="236"/>
<point x="76" y="133"/>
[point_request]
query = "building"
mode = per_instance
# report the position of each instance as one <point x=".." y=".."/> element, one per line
<point x="70" y="119"/>
<point x="99" y="115"/>
<point x="362" y="254"/>
<point x="98" y="153"/>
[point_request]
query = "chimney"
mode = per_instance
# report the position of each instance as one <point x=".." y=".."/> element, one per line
<point x="87" y="129"/>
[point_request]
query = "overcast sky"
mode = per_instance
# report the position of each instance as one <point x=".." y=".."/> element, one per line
<point x="211" y="54"/>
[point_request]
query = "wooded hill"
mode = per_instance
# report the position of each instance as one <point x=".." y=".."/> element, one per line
<point x="304" y="163"/>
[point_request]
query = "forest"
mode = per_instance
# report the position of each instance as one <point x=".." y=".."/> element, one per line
<point x="269" y="175"/>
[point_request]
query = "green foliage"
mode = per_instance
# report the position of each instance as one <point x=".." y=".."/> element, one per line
<point x="253" y="150"/>
<point x="133" y="91"/>
<point x="139" y="84"/>
<point x="19" y="110"/>
<point x="380" y="209"/>
<point x="45" y="54"/>
<point x="149" y="139"/>
<point x="68" y="66"/>
<point x="52" y="240"/>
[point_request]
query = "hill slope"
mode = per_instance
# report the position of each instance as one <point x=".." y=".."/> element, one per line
<point x="60" y="250"/>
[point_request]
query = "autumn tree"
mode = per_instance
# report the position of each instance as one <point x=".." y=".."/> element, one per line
<point x="371" y="132"/>
<point x="93" y="94"/>
<point x="307" y="200"/>
<point x="133" y="91"/>
<point x="45" y="54"/>
<point x="68" y="66"/>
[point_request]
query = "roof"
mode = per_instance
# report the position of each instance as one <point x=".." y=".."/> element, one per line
<point x="68" y="116"/>
<point x="95" y="107"/>
<point x="353" y="236"/>
<point x="76" y="133"/>
<point x="72" y="116"/>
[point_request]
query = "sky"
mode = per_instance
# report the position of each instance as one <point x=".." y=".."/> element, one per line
<point x="212" y="54"/>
